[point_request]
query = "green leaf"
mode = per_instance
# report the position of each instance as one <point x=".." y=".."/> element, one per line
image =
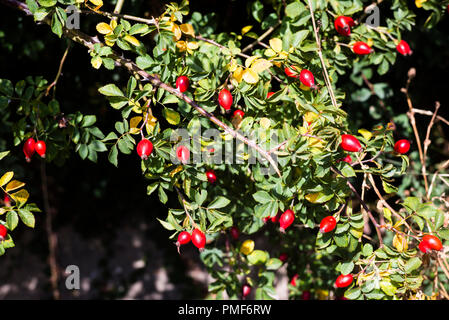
<point x="347" y="267"/>
<point x="27" y="217"/>
<point x="113" y="155"/>
<point x="262" y="197"/>
<point x="219" y="202"/>
<point x="273" y="264"/>
<point x="12" y="220"/>
<point x="111" y="90"/>
<point x="412" y="264"/>
<point x="47" y="3"/>
<point x="257" y="257"/>
<point x="171" y="116"/>
<point x="353" y="293"/>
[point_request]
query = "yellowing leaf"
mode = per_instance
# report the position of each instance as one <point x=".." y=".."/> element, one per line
<point x="151" y="123"/>
<point x="365" y="133"/>
<point x="193" y="45"/>
<point x="13" y="185"/>
<point x="269" y="52"/>
<point x="310" y="116"/>
<point x="312" y="197"/>
<point x="96" y="62"/>
<point x="104" y="28"/>
<point x="400" y="242"/>
<point x="260" y="65"/>
<point x="265" y="123"/>
<point x="171" y="116"/>
<point x="238" y="74"/>
<point x="303" y="87"/>
<point x="187" y="28"/>
<point x="6" y="178"/>
<point x="370" y="42"/>
<point x="247" y="247"/>
<point x="177" y="34"/>
<point x="133" y="40"/>
<point x="181" y="45"/>
<point x="175" y="171"/>
<point x="276" y="44"/>
<point x="113" y="24"/>
<point x="250" y="76"/>
<point x="20" y="196"/>
<point x="133" y="123"/>
<point x="419" y="3"/>
<point x="98" y="3"/>
<point x="249" y="61"/>
<point x="246" y="29"/>
<point x="232" y="65"/>
<point x="358" y="233"/>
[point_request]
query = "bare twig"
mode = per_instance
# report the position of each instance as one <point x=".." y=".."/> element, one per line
<point x="263" y="36"/>
<point x="430" y="113"/>
<point x="53" y="84"/>
<point x="183" y="200"/>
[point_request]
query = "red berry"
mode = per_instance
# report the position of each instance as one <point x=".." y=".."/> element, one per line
<point x="211" y="177"/>
<point x="182" y="83"/>
<point x="239" y="113"/>
<point x="291" y="72"/>
<point x="183" y="154"/>
<point x="328" y="224"/>
<point x="305" y="295"/>
<point x="40" y="148"/>
<point x="3" y="232"/>
<point x="265" y="220"/>
<point x="246" y="290"/>
<point x="286" y="219"/>
<point x="307" y="79"/>
<point x="350" y="143"/>
<point x="346" y="159"/>
<point x="430" y="242"/>
<point x="183" y="238"/>
<point x="283" y="257"/>
<point x="144" y="148"/>
<point x="343" y="280"/>
<point x="343" y="25"/>
<point x="403" y="48"/>
<point x="198" y="239"/>
<point x="276" y="217"/>
<point x="269" y="94"/>
<point x="29" y="149"/>
<point x="225" y="99"/>
<point x="424" y="246"/>
<point x="7" y="200"/>
<point x="234" y="232"/>
<point x="293" y="280"/>
<point x="362" y="48"/>
<point x="402" y="146"/>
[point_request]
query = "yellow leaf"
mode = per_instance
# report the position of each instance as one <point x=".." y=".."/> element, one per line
<point x="133" y="123"/>
<point x="370" y="42"/>
<point x="20" y="196"/>
<point x="104" y="28"/>
<point x="358" y="233"/>
<point x="108" y="41"/>
<point x="249" y="61"/>
<point x="315" y="143"/>
<point x="265" y="123"/>
<point x="176" y="170"/>
<point x="276" y="44"/>
<point x="97" y="2"/>
<point x="13" y="185"/>
<point x="151" y="123"/>
<point x="246" y="29"/>
<point x="171" y="116"/>
<point x="365" y="133"/>
<point x="238" y="74"/>
<point x="311" y="197"/>
<point x="2" y="211"/>
<point x="181" y="45"/>
<point x="176" y="31"/>
<point x="6" y="178"/>
<point x="96" y="62"/>
<point x="247" y="247"/>
<point x="260" y="65"/>
<point x="187" y="28"/>
<point x="193" y="45"/>
<point x="322" y="294"/>
<point x="250" y="76"/>
<point x="303" y="87"/>
<point x="419" y="3"/>
<point x="310" y="116"/>
<point x="269" y="52"/>
<point x="400" y="243"/>
<point x="133" y="40"/>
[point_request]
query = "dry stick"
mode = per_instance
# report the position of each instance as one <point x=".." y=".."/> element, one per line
<point x="51" y="236"/>
<point x="112" y="15"/>
<point x="411" y="116"/>
<point x="427" y="139"/>
<point x="53" y="84"/>
<point x="263" y="36"/>
<point x="370" y="215"/>
<point x="430" y="113"/>
<point x="320" y="54"/>
<point x="444" y="166"/>
<point x="119" y="6"/>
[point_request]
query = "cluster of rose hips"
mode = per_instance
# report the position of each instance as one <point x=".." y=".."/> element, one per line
<point x="285" y="219"/>
<point x="31" y="146"/>
<point x="197" y="237"/>
<point x="343" y="26"/>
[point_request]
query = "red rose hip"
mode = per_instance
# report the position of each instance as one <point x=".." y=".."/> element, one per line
<point x="234" y="231"/>
<point x="291" y="72"/>
<point x="402" y="146"/>
<point x="29" y="149"/>
<point x="211" y="177"/>
<point x="327" y="224"/>
<point x="343" y="25"/>
<point x="430" y="242"/>
<point x="286" y="219"/>
<point x="198" y="239"/>
<point x="225" y="99"/>
<point x="182" y="83"/>
<point x="283" y="257"/>
<point x="3" y="232"/>
<point x="307" y="79"/>
<point x="403" y="48"/>
<point x="246" y="290"/>
<point x="344" y="280"/>
<point x="40" y="148"/>
<point x="144" y="148"/>
<point x="238" y="113"/>
<point x="350" y="143"/>
<point x="269" y="94"/>
<point x="183" y="154"/>
<point x="361" y="48"/>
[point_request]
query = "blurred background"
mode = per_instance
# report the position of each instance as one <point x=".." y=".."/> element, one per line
<point x="102" y="218"/>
